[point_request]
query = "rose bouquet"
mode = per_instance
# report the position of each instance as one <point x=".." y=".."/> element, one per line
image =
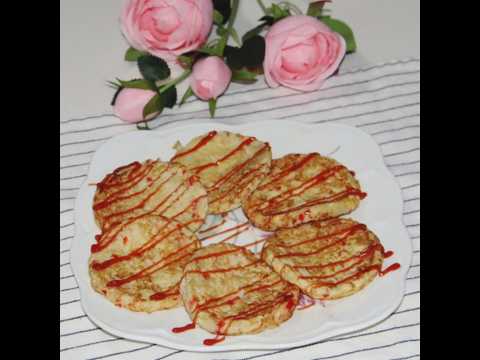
<point x="291" y="49"/>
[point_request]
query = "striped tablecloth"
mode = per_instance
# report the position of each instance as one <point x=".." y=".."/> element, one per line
<point x="383" y="100"/>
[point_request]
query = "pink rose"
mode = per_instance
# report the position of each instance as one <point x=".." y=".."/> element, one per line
<point x="167" y="28"/>
<point x="210" y="77"/>
<point x="301" y="52"/>
<point x="130" y="102"/>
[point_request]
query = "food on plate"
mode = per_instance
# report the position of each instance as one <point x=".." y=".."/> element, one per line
<point x="301" y="188"/>
<point x="327" y="259"/>
<point x="227" y="290"/>
<point x="138" y="263"/>
<point x="151" y="187"/>
<point x="229" y="165"/>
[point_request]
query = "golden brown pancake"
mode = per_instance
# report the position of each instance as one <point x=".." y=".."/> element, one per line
<point x="227" y="290"/>
<point x="326" y="260"/>
<point x="229" y="165"/>
<point x="302" y="188"/>
<point x="152" y="187"/>
<point x="138" y="263"/>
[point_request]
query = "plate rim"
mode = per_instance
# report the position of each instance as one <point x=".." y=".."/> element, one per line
<point x="152" y="339"/>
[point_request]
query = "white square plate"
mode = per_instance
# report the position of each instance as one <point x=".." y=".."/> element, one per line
<point x="381" y="211"/>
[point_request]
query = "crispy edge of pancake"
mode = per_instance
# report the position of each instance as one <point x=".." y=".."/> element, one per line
<point x="301" y="216"/>
<point x="273" y="317"/>
<point x="231" y="198"/>
<point x="200" y="212"/>
<point x="269" y="255"/>
<point x="125" y="298"/>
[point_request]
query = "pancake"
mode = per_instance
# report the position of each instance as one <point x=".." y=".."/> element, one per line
<point x="151" y="187"/>
<point x="302" y="188"/>
<point x="326" y="260"/>
<point x="229" y="165"/>
<point x="227" y="290"/>
<point x="138" y="263"/>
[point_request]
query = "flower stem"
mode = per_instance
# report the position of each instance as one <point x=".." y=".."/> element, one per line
<point x="174" y="82"/>
<point x="231" y="19"/>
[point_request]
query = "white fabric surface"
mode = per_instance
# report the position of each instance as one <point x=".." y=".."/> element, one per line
<point x="383" y="100"/>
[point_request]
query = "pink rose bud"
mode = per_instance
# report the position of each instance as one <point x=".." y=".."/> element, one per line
<point x="210" y="77"/>
<point x="167" y="28"/>
<point x="130" y="102"/>
<point x="301" y="52"/>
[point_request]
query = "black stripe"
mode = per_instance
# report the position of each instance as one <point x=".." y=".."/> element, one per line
<point x="73" y="288"/>
<point x="348" y="105"/>
<point x="409" y="173"/>
<point x="402" y="152"/>
<point x="66" y="238"/>
<point x="168" y="355"/>
<point x="416" y="237"/>
<point x="79" y="332"/>
<point x="413" y="277"/>
<point x="74" y="165"/>
<point x="69" y="302"/>
<point x="69" y="189"/>
<point x="407" y="310"/>
<point x="84" y="141"/>
<point x="80" y="153"/>
<point x="84" y="345"/>
<point x="411" y="212"/>
<point x="396" y="129"/>
<point x="121" y="352"/>
<point x="399" y="140"/>
<point x="64" y="251"/>
<point x="412" y="199"/>
<point x="413" y="225"/>
<point x="413" y="292"/>
<point x="86" y="118"/>
<point x="409" y="186"/>
<point x="67" y="263"/>
<point x="95" y="128"/>
<point x="263" y="88"/>
<point x="408" y="357"/>
<point x="405" y="163"/>
<point x="73" y="318"/>
<point x="66" y="210"/>
<point x="73" y="177"/>
<point x="66" y="277"/>
<point x="416" y="251"/>
<point x="67" y="198"/>
<point x="67" y="225"/>
<point x="385" y="121"/>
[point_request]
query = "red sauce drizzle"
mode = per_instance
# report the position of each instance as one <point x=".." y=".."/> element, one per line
<point x="183" y="328"/>
<point x="113" y="179"/>
<point x="164" y="294"/>
<point x="215" y="340"/>
<point x="392" y="267"/>
<point x="387" y="254"/>
<point x="204" y="141"/>
<point x="244" y="143"/>
<point x="213" y="226"/>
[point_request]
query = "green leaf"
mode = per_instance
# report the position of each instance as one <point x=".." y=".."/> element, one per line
<point x="217" y="17"/>
<point x="253" y="32"/>
<point x="344" y="30"/>
<point x="212" y="106"/>
<point x="155" y="104"/>
<point x="315" y="8"/>
<point x="209" y="50"/>
<point x="153" y="68"/>
<point x="137" y="84"/>
<point x="278" y="13"/>
<point x="223" y="7"/>
<point x="170" y="97"/>
<point x="234" y="35"/>
<point x="221" y="30"/>
<point x="233" y="57"/>
<point x="253" y="51"/>
<point x="186" y="60"/>
<point x="133" y="54"/>
<point x="243" y="76"/>
<point x="187" y="94"/>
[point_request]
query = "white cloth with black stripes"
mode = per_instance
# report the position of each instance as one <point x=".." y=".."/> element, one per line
<point x="383" y="100"/>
